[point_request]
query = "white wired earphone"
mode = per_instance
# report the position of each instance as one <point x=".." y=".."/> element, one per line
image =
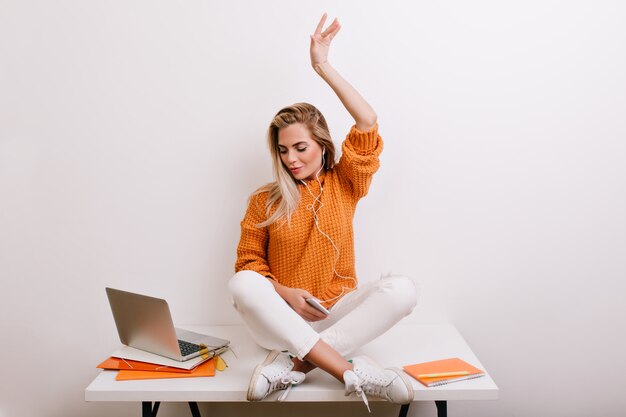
<point x="315" y="210"/>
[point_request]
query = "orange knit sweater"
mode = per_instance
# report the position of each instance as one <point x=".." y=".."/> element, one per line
<point x="298" y="255"/>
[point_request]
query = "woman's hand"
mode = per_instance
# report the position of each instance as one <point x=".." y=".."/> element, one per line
<point x="320" y="41"/>
<point x="296" y="298"/>
<point x="364" y="116"/>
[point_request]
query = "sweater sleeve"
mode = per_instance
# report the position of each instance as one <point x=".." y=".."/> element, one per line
<point x="359" y="160"/>
<point x="252" y="248"/>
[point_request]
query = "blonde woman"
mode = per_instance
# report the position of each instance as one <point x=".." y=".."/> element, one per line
<point x="297" y="244"/>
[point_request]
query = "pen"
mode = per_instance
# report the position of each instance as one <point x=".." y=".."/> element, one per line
<point x="443" y="374"/>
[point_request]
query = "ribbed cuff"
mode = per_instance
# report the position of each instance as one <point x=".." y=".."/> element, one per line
<point x="363" y="141"/>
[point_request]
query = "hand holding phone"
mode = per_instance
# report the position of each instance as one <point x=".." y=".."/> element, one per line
<point x="315" y="303"/>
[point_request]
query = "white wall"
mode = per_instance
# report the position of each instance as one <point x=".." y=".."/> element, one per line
<point x="132" y="132"/>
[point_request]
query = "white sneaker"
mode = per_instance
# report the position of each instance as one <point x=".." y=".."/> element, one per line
<point x="275" y="373"/>
<point x="367" y="378"/>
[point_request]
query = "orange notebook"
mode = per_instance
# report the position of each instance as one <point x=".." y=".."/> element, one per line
<point x="204" y="369"/>
<point x="423" y="372"/>
<point x="119" y="364"/>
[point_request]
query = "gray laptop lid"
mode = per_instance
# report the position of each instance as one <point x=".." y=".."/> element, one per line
<point x="145" y="323"/>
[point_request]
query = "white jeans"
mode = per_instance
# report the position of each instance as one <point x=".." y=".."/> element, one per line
<point x="356" y="319"/>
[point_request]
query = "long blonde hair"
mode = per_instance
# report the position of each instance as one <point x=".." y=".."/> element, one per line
<point x="283" y="192"/>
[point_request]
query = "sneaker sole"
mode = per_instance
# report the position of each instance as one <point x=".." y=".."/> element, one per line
<point x="407" y="383"/>
<point x="257" y="371"/>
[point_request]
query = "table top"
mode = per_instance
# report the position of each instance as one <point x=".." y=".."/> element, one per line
<point x="404" y="344"/>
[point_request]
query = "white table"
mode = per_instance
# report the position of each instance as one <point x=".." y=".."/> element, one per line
<point x="402" y="345"/>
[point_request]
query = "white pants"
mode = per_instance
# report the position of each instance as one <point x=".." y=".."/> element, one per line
<point x="356" y="319"/>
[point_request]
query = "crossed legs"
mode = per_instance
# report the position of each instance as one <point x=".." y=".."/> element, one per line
<point x="358" y="318"/>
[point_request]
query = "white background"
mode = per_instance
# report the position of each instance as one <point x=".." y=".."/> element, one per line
<point x="132" y="133"/>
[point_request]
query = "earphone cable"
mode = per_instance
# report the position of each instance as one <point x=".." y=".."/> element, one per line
<point x="315" y="210"/>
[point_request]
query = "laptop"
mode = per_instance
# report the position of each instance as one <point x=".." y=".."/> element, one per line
<point x="145" y="323"/>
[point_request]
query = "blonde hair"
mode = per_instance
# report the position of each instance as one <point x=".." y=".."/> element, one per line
<point x="283" y="192"/>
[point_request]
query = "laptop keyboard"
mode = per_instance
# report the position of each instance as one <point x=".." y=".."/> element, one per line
<point x="187" y="348"/>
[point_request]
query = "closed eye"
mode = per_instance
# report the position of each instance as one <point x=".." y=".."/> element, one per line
<point x="284" y="151"/>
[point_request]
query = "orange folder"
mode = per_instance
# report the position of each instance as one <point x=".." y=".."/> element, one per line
<point x="204" y="369"/>
<point x="442" y="366"/>
<point x="119" y="364"/>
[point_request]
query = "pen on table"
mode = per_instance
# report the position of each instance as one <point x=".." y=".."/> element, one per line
<point x="443" y="374"/>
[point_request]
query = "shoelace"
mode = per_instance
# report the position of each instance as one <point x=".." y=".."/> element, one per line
<point x="368" y="384"/>
<point x="285" y="383"/>
<point x="359" y="391"/>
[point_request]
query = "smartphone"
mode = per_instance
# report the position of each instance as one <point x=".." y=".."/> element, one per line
<point x="316" y="303"/>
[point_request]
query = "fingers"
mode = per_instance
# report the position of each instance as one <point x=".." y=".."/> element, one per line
<point x="320" y="25"/>
<point x="308" y="317"/>
<point x="299" y="304"/>
<point x="330" y="31"/>
<point x="311" y="314"/>
<point x="317" y="314"/>
<point x="334" y="32"/>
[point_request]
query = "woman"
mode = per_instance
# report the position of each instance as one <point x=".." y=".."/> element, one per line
<point x="297" y="243"/>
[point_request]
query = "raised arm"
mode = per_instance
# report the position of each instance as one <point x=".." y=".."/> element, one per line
<point x="364" y="116"/>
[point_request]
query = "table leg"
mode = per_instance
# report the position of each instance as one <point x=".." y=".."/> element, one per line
<point x="442" y="408"/>
<point x="195" y="411"/>
<point x="147" y="410"/>
<point x="404" y="409"/>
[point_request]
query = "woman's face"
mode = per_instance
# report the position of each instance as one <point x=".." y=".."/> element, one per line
<point x="300" y="153"/>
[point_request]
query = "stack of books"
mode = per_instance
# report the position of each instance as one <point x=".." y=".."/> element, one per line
<point x="133" y="364"/>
